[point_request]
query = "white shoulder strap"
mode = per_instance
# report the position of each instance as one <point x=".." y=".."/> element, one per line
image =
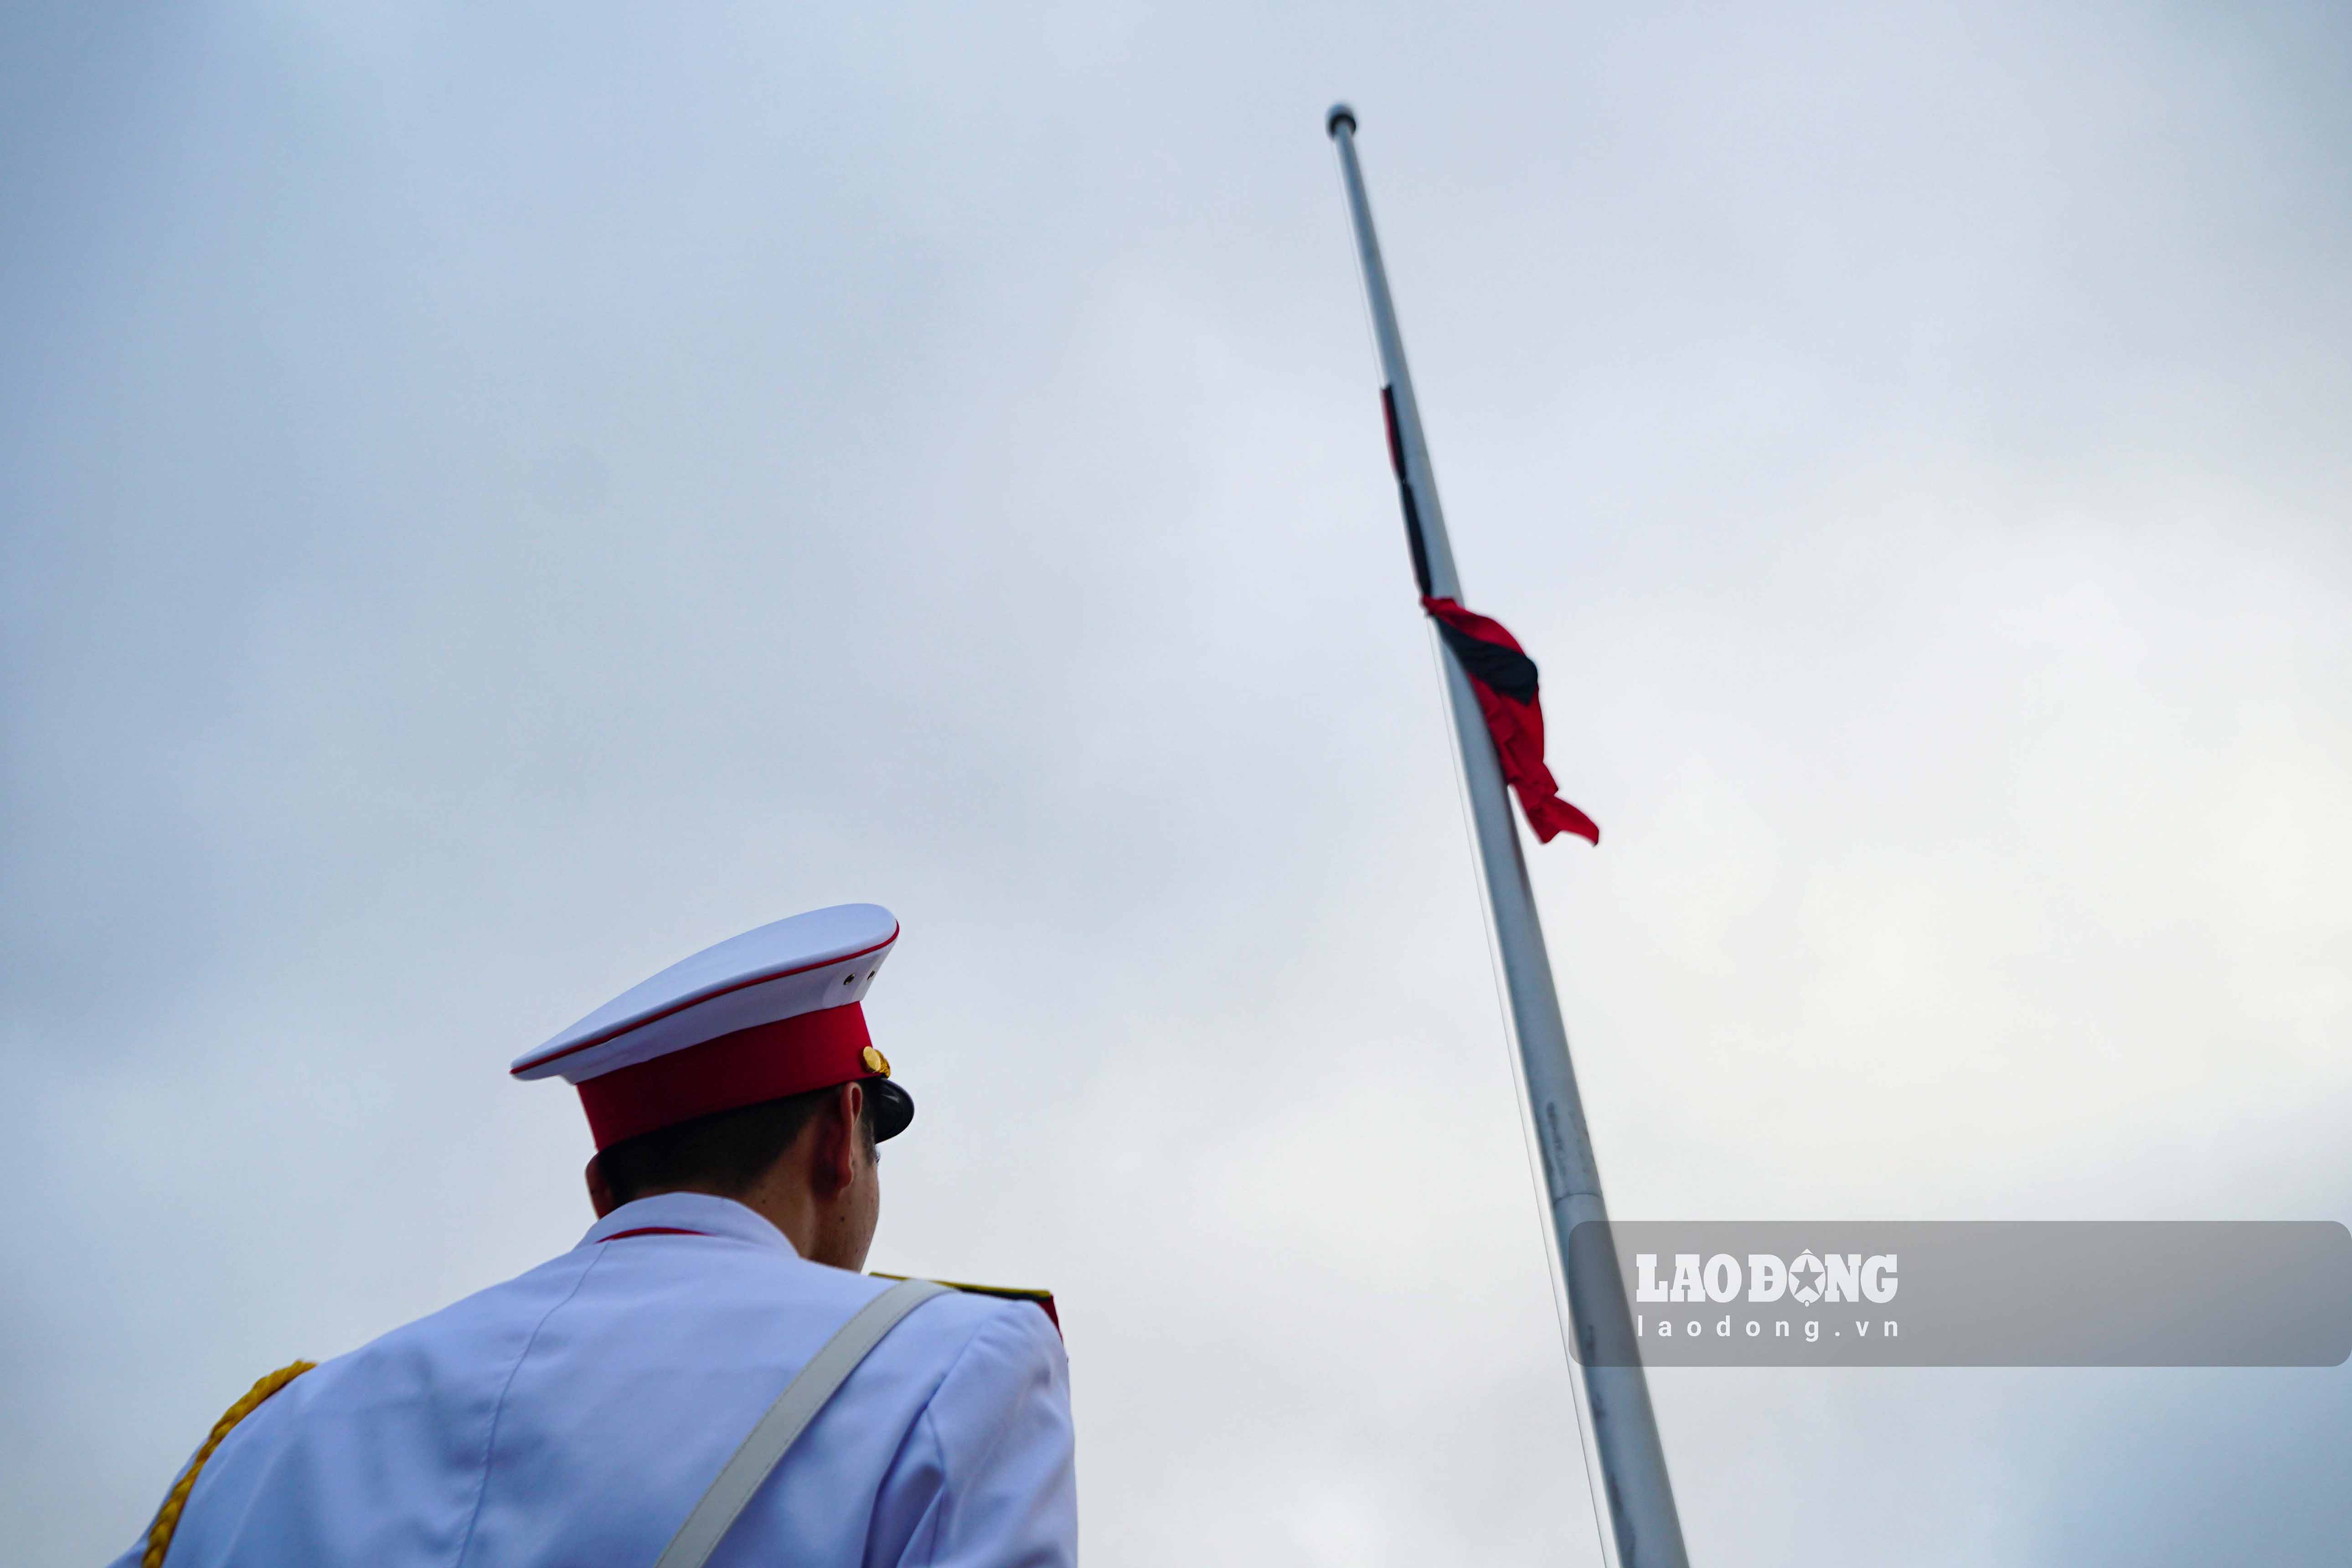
<point x="794" y="1408"/>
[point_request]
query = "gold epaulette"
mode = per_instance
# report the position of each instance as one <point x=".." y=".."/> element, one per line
<point x="1044" y="1299"/>
<point x="167" y="1517"/>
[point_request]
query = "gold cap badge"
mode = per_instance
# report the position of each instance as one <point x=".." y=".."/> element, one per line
<point x="876" y="1062"/>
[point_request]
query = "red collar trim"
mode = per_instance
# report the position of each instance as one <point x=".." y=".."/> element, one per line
<point x="652" y="1230"/>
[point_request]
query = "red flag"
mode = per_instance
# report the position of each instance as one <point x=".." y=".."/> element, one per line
<point x="1504" y="676"/>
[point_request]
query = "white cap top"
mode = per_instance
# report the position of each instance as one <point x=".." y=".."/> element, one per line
<point x="827" y="958"/>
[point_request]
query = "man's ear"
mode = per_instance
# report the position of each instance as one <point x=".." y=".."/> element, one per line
<point x="600" y="1192"/>
<point x="838" y="1150"/>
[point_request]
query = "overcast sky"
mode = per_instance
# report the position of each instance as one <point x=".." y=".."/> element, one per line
<point x="497" y="499"/>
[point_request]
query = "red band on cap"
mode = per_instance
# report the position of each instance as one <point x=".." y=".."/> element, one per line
<point x="767" y="1061"/>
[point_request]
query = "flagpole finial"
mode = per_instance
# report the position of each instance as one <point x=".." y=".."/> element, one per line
<point x="1340" y="111"/>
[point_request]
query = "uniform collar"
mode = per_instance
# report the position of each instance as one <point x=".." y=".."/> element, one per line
<point x="699" y="1213"/>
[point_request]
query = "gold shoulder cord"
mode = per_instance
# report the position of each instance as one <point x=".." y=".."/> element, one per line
<point x="167" y="1517"/>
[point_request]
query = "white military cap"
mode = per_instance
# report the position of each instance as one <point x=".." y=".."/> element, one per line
<point x="773" y="1013"/>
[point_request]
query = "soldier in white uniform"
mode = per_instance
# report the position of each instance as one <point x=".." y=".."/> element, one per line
<point x="582" y="1414"/>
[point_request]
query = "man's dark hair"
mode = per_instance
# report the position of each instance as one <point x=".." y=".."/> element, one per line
<point x="726" y="1153"/>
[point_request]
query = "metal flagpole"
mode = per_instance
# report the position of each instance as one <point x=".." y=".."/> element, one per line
<point x="1625" y="1430"/>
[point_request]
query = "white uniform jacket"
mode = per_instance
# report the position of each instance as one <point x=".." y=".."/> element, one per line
<point x="572" y="1418"/>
